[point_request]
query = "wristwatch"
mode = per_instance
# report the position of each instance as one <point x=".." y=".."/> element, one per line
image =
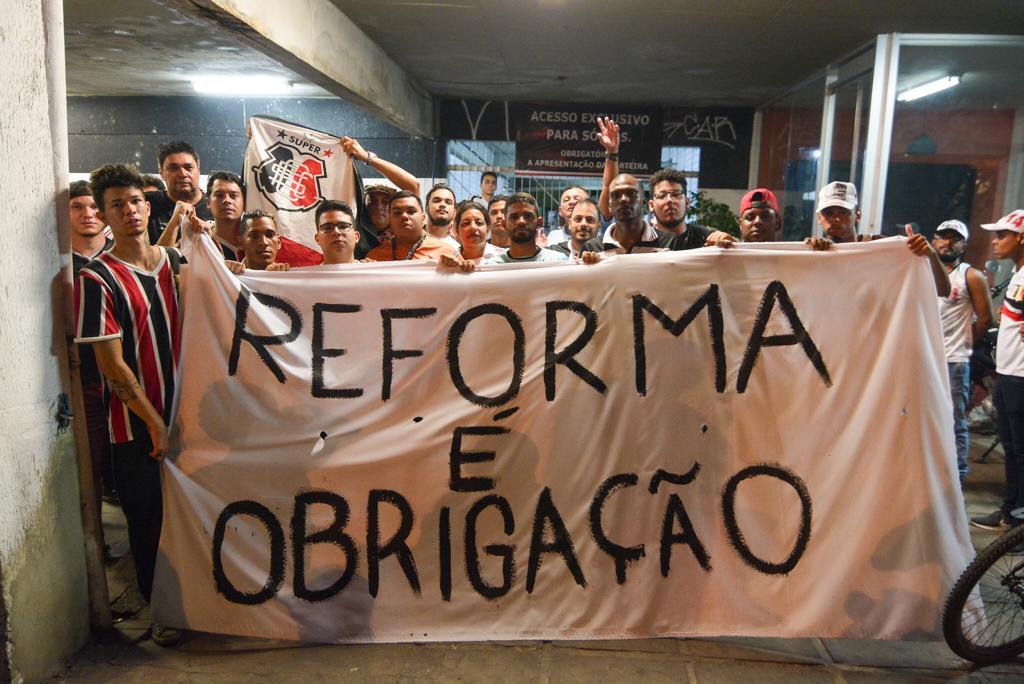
<point x="370" y="156"/>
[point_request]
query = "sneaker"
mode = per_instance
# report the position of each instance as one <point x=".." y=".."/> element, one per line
<point x="165" y="636"/>
<point x="996" y="520"/>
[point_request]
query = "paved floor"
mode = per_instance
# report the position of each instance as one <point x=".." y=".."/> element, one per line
<point x="128" y="655"/>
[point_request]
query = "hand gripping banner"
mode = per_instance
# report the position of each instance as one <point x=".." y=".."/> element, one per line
<point x="753" y="441"/>
<point x="290" y="170"/>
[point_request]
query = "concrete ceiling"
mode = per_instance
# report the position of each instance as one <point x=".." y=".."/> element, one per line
<point x="143" y="47"/>
<point x="729" y="52"/>
<point x="735" y="52"/>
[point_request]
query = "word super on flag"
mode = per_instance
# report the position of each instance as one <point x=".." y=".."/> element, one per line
<point x="290" y="170"/>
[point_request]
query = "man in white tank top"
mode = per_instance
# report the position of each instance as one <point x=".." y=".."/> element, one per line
<point x="965" y="314"/>
<point x="1008" y="395"/>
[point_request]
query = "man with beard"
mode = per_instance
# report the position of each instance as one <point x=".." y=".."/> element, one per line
<point x="583" y="225"/>
<point x="965" y="314"/>
<point x="522" y="216"/>
<point x="630" y="234"/>
<point x="668" y="203"/>
<point x="496" y="210"/>
<point x="570" y="196"/>
<point x="441" y="213"/>
<point x="409" y="240"/>
<point x="178" y="163"/>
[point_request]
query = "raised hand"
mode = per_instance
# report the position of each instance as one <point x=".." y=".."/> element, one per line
<point x="609" y="135"/>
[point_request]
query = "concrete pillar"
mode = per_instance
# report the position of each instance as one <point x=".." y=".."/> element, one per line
<point x="316" y="40"/>
<point x="42" y="561"/>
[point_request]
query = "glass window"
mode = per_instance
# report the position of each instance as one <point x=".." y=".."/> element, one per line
<point x="850" y="131"/>
<point x="467" y="159"/>
<point x="953" y="151"/>
<point x="685" y="159"/>
<point x="790" y="153"/>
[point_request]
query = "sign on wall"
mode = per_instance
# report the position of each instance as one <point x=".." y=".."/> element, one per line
<point x="723" y="135"/>
<point x="563" y="139"/>
<point x="669" y="444"/>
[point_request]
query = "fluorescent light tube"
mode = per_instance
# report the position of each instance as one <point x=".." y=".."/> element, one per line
<point x="241" y="85"/>
<point x="929" y="88"/>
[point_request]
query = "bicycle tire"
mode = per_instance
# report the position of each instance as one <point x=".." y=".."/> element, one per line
<point x="1003" y="597"/>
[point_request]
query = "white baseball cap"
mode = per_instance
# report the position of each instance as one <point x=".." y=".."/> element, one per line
<point x="954" y="225"/>
<point x="1013" y="221"/>
<point x="838" y="194"/>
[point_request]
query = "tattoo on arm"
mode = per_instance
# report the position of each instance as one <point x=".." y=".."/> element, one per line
<point x="125" y="391"/>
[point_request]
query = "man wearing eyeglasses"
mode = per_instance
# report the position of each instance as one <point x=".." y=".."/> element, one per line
<point x="668" y="204"/>
<point x="336" y="232"/>
<point x="630" y="234"/>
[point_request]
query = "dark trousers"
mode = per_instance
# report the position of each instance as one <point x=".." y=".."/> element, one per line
<point x="137" y="478"/>
<point x="99" y="437"/>
<point x="1008" y="397"/>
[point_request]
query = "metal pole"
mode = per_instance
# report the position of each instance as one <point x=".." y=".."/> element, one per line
<point x="880" y="117"/>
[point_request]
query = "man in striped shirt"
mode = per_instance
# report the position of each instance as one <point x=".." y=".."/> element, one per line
<point x="1008" y="394"/>
<point x="127" y="310"/>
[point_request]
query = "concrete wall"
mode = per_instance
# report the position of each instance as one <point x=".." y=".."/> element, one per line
<point x="41" y="545"/>
<point x="130" y="129"/>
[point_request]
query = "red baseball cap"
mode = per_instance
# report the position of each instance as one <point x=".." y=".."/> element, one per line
<point x="759" y="198"/>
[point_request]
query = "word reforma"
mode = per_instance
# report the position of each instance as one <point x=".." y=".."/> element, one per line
<point x="775" y="302"/>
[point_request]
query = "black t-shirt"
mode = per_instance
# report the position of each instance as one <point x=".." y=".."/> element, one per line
<point x="692" y="238"/>
<point x="368" y="239"/>
<point x="161" y="208"/>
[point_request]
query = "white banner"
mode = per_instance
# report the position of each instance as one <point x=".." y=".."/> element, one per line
<point x="754" y="441"/>
<point x="290" y="170"/>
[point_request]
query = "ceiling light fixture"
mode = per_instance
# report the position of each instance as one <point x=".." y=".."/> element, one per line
<point x="930" y="88"/>
<point x="241" y="85"/>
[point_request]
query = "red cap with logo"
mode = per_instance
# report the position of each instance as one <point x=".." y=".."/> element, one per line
<point x="759" y="199"/>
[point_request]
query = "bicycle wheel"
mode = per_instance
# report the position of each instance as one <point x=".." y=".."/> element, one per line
<point x="992" y="629"/>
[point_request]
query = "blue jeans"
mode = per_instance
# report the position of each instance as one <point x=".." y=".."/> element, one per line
<point x="959" y="388"/>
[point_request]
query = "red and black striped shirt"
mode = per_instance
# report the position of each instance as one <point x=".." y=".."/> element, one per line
<point x="118" y="300"/>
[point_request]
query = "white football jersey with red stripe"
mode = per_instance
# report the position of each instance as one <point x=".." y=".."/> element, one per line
<point x="1010" y="347"/>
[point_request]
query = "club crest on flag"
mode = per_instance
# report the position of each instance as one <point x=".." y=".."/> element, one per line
<point x="290" y="170"/>
<point x="289" y="178"/>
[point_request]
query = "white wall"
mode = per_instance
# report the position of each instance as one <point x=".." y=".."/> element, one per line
<point x="42" y="567"/>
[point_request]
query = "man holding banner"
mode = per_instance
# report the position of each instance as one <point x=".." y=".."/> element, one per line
<point x="409" y="240"/>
